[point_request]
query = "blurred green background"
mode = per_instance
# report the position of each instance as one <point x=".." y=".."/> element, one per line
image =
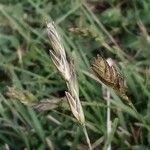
<point x="117" y="29"/>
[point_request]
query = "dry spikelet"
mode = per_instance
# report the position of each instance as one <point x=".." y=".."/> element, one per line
<point x="58" y="54"/>
<point x="109" y="75"/>
<point x="49" y="104"/>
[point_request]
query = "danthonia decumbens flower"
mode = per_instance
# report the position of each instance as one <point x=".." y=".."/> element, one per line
<point x="109" y="76"/>
<point x="67" y="71"/>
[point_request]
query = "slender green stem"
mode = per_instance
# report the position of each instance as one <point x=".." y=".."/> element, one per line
<point x="87" y="137"/>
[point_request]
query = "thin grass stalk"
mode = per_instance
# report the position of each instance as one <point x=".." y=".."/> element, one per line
<point x="87" y="137"/>
<point x="67" y="71"/>
<point x="108" y="117"/>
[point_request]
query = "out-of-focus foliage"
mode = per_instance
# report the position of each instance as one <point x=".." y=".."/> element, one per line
<point x="112" y="28"/>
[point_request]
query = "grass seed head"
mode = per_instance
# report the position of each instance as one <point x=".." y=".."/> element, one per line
<point x="109" y="75"/>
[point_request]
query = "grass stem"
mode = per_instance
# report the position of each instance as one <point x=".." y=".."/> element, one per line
<point x="87" y="137"/>
<point x="108" y="118"/>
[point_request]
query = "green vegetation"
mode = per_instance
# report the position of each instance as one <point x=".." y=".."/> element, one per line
<point x="112" y="28"/>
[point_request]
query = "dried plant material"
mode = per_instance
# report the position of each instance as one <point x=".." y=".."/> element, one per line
<point x="50" y="143"/>
<point x="66" y="69"/>
<point x="109" y="75"/>
<point x="76" y="108"/>
<point x="20" y="53"/>
<point x="51" y="103"/>
<point x="23" y="96"/>
<point x="29" y="99"/>
<point x="58" y="54"/>
<point x="53" y="119"/>
<point x="47" y="104"/>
